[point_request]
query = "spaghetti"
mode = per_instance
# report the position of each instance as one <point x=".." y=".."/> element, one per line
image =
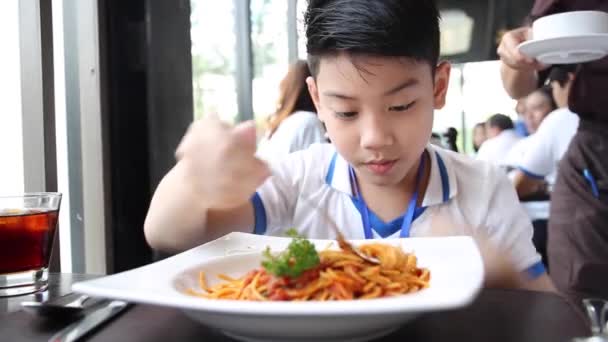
<point x="340" y="275"/>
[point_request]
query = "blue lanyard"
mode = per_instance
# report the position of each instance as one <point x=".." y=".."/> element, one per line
<point x="408" y="217"/>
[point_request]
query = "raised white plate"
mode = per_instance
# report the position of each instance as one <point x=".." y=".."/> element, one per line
<point x="456" y="277"/>
<point x="567" y="50"/>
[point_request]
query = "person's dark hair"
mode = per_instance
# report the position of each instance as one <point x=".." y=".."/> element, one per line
<point x="500" y="121"/>
<point x="386" y="28"/>
<point x="560" y="73"/>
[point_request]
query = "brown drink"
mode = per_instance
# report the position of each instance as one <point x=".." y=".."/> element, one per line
<point x="27" y="229"/>
<point x="26" y="238"/>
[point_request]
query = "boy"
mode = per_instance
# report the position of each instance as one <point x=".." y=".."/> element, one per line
<point x="375" y="83"/>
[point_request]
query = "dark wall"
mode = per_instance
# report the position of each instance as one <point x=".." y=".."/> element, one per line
<point x="146" y="105"/>
<point x="170" y="103"/>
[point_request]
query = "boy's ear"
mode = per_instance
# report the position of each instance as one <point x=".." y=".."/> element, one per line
<point x="314" y="94"/>
<point x="442" y="81"/>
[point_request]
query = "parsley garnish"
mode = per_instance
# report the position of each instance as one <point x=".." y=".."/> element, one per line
<point x="300" y="256"/>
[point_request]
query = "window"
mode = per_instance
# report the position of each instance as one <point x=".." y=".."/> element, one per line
<point x="475" y="89"/>
<point x="471" y="99"/>
<point x="301" y="8"/>
<point x="484" y="92"/>
<point x="11" y="134"/>
<point x="270" y="55"/>
<point x="456" y="32"/>
<point x="213" y="58"/>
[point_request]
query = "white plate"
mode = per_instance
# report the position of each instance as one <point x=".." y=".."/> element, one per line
<point x="567" y="50"/>
<point x="454" y="262"/>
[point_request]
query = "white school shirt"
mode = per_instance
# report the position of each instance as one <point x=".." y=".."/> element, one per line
<point x="495" y="149"/>
<point x="463" y="195"/>
<point x="517" y="152"/>
<point x="296" y="132"/>
<point x="549" y="144"/>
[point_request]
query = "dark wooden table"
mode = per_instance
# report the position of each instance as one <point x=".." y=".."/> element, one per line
<point x="496" y="315"/>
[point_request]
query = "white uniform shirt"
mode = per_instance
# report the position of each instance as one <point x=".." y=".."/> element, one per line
<point x="495" y="149"/>
<point x="467" y="197"/>
<point x="298" y="131"/>
<point x="517" y="152"/>
<point x="548" y="144"/>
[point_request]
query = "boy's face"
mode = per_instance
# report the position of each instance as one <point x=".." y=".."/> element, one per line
<point x="380" y="116"/>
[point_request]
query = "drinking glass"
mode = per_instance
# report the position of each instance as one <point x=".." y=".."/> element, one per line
<point x="28" y="223"/>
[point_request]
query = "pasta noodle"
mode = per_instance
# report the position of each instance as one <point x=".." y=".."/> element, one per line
<point x="340" y="275"/>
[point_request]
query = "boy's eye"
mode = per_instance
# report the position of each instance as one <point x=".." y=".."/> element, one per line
<point x="346" y="115"/>
<point x="401" y="108"/>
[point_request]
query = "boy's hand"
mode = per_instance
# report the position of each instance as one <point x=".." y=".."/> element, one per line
<point x="500" y="272"/>
<point x="509" y="53"/>
<point x="219" y="162"/>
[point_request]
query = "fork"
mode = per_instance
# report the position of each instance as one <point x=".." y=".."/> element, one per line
<point x="345" y="245"/>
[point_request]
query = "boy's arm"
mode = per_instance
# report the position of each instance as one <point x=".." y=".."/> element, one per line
<point x="178" y="218"/>
<point x="502" y="273"/>
<point x="207" y="194"/>
<point x="516" y="263"/>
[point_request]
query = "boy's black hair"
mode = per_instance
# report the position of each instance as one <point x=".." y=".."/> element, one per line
<point x="500" y="121"/>
<point x="387" y="28"/>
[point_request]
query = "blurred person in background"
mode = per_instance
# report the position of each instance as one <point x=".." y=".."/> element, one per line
<point x="501" y="138"/>
<point x="295" y="125"/>
<point x="577" y="239"/>
<point x="520" y="124"/>
<point x="538" y="105"/>
<point x="540" y="160"/>
<point x="479" y="135"/>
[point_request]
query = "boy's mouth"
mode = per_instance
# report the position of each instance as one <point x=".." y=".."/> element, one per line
<point x="380" y="167"/>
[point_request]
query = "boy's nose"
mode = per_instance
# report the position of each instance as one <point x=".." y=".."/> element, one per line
<point x="376" y="133"/>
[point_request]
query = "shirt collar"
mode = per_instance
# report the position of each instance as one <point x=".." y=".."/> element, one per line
<point x="442" y="182"/>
